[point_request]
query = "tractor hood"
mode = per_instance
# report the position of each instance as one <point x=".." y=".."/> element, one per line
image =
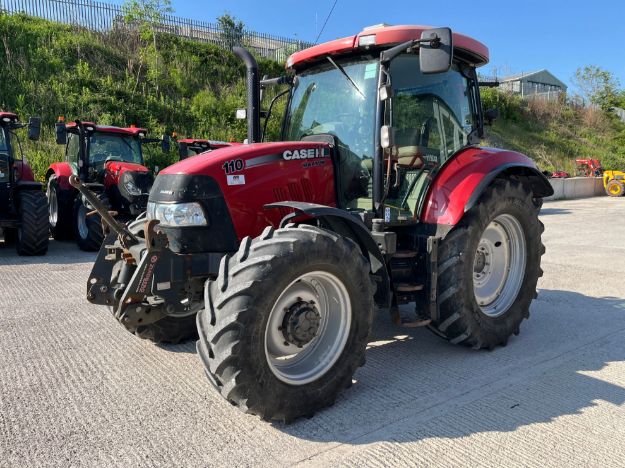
<point x="115" y="169"/>
<point x="224" y="161"/>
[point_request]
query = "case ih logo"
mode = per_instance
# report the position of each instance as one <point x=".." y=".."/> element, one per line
<point x="312" y="153"/>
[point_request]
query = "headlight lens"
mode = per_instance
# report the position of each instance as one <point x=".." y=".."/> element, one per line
<point x="177" y="214"/>
<point x="132" y="188"/>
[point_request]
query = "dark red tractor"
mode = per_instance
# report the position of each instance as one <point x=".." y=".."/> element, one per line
<point x="23" y="204"/>
<point x="378" y="195"/>
<point x="588" y="167"/>
<point x="110" y="161"/>
<point x="188" y="147"/>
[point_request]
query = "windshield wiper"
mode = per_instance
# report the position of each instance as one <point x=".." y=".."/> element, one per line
<point x="342" y="70"/>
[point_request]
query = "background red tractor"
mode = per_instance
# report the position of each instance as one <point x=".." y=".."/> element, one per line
<point x="23" y="205"/>
<point x="110" y="160"/>
<point x="378" y="195"/>
<point x="588" y="167"/>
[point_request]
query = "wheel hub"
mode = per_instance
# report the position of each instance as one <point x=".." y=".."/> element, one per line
<point x="301" y="323"/>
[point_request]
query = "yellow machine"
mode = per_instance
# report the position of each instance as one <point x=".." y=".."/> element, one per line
<point x="614" y="183"/>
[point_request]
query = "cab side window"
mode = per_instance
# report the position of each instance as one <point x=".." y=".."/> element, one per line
<point x="73" y="148"/>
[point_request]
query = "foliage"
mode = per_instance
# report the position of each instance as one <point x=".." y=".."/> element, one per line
<point x="598" y="86"/>
<point x="231" y="30"/>
<point x="51" y="69"/>
<point x="554" y="133"/>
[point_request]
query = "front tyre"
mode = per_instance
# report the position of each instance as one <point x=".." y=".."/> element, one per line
<point x="59" y="211"/>
<point x="88" y="229"/>
<point x="286" y="322"/>
<point x="615" y="188"/>
<point x="489" y="265"/>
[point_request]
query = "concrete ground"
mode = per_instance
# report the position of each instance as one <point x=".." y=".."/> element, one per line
<point x="77" y="389"/>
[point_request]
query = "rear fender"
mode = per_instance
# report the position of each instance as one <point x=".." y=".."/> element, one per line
<point x="24" y="171"/>
<point x="346" y="225"/>
<point x="462" y="180"/>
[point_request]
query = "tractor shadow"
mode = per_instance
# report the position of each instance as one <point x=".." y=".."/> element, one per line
<point x="417" y="386"/>
<point x="59" y="253"/>
<point x="553" y="211"/>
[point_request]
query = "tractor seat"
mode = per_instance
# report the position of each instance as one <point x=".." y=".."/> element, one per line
<point x="404" y="157"/>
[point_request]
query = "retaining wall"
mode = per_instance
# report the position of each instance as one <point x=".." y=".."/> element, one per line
<point x="576" y="187"/>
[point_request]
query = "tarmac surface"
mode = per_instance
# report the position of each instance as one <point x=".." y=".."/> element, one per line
<point x="77" y="389"/>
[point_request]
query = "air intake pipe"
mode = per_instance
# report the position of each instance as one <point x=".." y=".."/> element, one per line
<point x="253" y="94"/>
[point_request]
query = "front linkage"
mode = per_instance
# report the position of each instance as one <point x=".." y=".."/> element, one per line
<point x="141" y="280"/>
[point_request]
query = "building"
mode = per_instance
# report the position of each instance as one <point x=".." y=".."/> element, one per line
<point x="539" y="83"/>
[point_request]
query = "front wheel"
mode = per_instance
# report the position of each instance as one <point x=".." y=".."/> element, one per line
<point x="59" y="211"/>
<point x="286" y="322"/>
<point x="488" y="267"/>
<point x="615" y="188"/>
<point x="89" y="234"/>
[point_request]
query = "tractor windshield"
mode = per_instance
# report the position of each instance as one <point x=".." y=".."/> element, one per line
<point x="114" y="147"/>
<point x="338" y="97"/>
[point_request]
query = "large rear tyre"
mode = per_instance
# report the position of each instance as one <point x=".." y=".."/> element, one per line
<point x="59" y="212"/>
<point x="286" y="322"/>
<point x="88" y="229"/>
<point x="34" y="232"/>
<point x="489" y="265"/>
<point x="615" y="188"/>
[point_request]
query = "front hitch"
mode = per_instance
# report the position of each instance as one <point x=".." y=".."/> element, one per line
<point x="126" y="237"/>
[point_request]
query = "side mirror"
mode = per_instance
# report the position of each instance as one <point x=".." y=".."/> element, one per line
<point x="490" y="115"/>
<point x="165" y="144"/>
<point x="34" y="128"/>
<point x="437" y="53"/>
<point x="61" y="133"/>
<point x="182" y="151"/>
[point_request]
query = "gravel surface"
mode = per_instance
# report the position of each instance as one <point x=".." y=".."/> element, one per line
<point x="77" y="389"/>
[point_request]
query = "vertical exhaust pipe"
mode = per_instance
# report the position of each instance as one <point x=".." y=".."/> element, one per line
<point x="253" y="94"/>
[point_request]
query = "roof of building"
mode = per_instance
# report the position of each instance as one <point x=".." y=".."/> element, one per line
<point x="469" y="48"/>
<point x="519" y="76"/>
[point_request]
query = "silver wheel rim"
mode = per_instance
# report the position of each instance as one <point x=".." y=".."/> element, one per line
<point x="83" y="229"/>
<point x="499" y="265"/>
<point x="53" y="207"/>
<point x="328" y="296"/>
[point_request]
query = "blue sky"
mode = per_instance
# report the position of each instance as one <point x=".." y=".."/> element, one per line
<point x="523" y="36"/>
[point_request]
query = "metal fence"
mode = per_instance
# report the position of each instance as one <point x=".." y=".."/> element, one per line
<point x="103" y="17"/>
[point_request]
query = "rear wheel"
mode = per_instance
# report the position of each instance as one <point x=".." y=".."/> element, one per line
<point x="489" y="265"/>
<point x="286" y="322"/>
<point x="34" y="231"/>
<point x="88" y="229"/>
<point x="615" y="188"/>
<point x="59" y="213"/>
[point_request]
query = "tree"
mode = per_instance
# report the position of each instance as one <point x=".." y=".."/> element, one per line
<point x="231" y="30"/>
<point x="597" y="85"/>
<point x="147" y="15"/>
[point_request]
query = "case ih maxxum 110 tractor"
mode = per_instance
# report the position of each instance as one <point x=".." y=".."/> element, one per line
<point x="378" y="195"/>
<point x="23" y="205"/>
<point x="110" y="161"/>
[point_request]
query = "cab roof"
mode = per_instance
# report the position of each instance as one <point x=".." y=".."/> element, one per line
<point x="465" y="47"/>
<point x="132" y="131"/>
<point x="199" y="141"/>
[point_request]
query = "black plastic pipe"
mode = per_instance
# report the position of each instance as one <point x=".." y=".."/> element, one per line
<point x="253" y="94"/>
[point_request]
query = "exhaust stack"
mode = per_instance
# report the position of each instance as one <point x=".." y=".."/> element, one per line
<point x="253" y="94"/>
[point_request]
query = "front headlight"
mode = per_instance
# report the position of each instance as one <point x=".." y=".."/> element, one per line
<point x="177" y="214"/>
<point x="132" y="188"/>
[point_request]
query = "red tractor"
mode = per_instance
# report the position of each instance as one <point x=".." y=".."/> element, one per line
<point x="378" y="195"/>
<point x="588" y="168"/>
<point x="23" y="205"/>
<point x="188" y="147"/>
<point x="110" y="161"/>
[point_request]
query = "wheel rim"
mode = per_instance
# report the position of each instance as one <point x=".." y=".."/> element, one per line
<point x="83" y="229"/>
<point x="53" y="205"/>
<point x="499" y="265"/>
<point x="307" y="328"/>
<point x="615" y="189"/>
